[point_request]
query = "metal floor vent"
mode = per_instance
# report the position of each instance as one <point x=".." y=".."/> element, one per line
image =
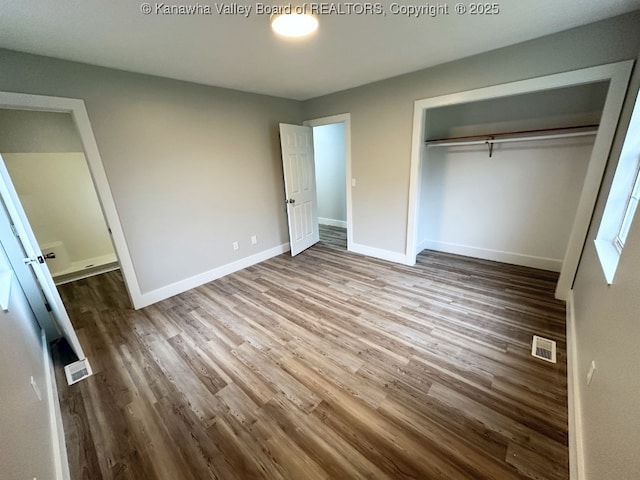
<point x="544" y="349"/>
<point x="77" y="371"/>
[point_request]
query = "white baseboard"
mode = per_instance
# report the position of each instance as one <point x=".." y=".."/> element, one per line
<point x="332" y="223"/>
<point x="85" y="273"/>
<point x="394" y="257"/>
<point x="154" y="296"/>
<point x="60" y="459"/>
<point x="576" y="447"/>
<point x="552" y="264"/>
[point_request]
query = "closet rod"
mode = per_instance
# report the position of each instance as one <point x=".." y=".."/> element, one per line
<point x="514" y="139"/>
<point x="514" y="136"/>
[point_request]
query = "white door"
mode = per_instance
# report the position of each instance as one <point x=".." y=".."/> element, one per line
<point x="33" y="257"/>
<point x="299" y="186"/>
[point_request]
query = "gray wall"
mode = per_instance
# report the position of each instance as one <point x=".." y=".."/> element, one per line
<point x="607" y="321"/>
<point x="26" y="449"/>
<point x="382" y="113"/>
<point x="191" y="168"/>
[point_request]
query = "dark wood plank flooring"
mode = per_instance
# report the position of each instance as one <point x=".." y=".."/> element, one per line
<point x="329" y="365"/>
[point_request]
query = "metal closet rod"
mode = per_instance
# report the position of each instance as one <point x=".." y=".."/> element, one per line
<point x="564" y="132"/>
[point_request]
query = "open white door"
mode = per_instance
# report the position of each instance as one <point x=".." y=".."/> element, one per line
<point x="299" y="186"/>
<point x="34" y="258"/>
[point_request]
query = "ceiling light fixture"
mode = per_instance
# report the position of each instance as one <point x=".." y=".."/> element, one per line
<point x="294" y="24"/>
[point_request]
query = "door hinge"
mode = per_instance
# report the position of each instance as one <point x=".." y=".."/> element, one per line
<point x="14" y="230"/>
<point x="47" y="306"/>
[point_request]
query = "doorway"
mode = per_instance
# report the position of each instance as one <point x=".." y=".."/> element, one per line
<point x="45" y="160"/>
<point x="332" y="152"/>
<point x="80" y="118"/>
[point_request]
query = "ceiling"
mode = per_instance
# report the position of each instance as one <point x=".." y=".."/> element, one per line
<point x="239" y="52"/>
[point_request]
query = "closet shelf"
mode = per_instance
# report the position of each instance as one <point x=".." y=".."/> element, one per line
<point x="519" y="136"/>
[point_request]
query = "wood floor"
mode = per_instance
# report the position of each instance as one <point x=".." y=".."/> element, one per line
<point x="328" y="365"/>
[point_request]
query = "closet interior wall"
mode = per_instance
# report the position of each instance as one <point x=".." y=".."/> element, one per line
<point x="517" y="205"/>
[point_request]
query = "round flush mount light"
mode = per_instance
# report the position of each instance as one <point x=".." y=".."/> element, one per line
<point x="294" y="24"/>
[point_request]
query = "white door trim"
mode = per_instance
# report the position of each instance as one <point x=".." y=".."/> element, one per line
<point x="346" y="119"/>
<point x="78" y="111"/>
<point x="618" y="76"/>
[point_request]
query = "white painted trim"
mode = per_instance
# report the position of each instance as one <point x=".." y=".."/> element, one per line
<point x="332" y="223"/>
<point x="86" y="273"/>
<point x="59" y="448"/>
<point x="618" y="76"/>
<point x="544" y="263"/>
<point x="394" y="257"/>
<point x="346" y="119"/>
<point x="576" y="443"/>
<point x="78" y="111"/>
<point x="162" y="293"/>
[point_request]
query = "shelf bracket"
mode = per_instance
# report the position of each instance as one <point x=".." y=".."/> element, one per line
<point x="489" y="143"/>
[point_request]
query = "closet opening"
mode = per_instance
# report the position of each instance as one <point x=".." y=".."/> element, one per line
<point x="511" y="172"/>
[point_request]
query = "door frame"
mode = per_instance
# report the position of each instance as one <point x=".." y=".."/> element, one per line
<point x="617" y="74"/>
<point x="76" y="108"/>
<point x="344" y="118"/>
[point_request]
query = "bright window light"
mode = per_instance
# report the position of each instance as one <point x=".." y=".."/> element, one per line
<point x="622" y="201"/>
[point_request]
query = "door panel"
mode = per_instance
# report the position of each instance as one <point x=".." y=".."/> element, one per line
<point x="39" y="270"/>
<point x="300" y="186"/>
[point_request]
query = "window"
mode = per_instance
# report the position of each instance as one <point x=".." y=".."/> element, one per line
<point x="625" y="224"/>
<point x="622" y="201"/>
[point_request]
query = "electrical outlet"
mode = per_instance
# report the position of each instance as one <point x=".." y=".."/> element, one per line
<point x="236" y="246"/>
<point x="254" y="240"/>
<point x="592" y="370"/>
<point x="353" y="182"/>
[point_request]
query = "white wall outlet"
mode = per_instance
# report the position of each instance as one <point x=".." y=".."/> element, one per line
<point x="353" y="182"/>
<point x="236" y="246"/>
<point x="254" y="239"/>
<point x="592" y="370"/>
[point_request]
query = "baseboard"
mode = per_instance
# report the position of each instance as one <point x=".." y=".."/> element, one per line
<point x="394" y="257"/>
<point x="551" y="264"/>
<point x="154" y="296"/>
<point x="332" y="223"/>
<point x="85" y="273"/>
<point x="576" y="446"/>
<point x="61" y="461"/>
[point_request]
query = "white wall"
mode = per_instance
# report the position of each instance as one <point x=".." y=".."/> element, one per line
<point x="517" y="207"/>
<point x="60" y="201"/>
<point x="330" y="159"/>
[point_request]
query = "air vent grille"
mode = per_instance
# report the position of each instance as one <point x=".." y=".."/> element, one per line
<point x="77" y="371"/>
<point x="544" y="349"/>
